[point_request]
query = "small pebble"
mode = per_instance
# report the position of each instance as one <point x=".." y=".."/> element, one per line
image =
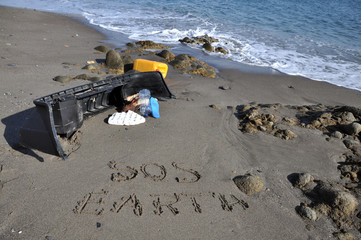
<point x="224" y="87"/>
<point x="99" y="224"/>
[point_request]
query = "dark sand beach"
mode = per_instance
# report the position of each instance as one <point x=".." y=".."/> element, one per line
<point x="183" y="168"/>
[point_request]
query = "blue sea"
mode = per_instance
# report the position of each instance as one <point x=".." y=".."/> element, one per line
<point x="318" y="39"/>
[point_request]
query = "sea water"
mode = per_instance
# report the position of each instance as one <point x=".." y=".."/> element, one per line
<point x="317" y="39"/>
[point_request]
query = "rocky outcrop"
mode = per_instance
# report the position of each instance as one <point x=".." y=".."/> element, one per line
<point x="150" y="45"/>
<point x="206" y="43"/>
<point x="192" y="65"/>
<point x="332" y="121"/>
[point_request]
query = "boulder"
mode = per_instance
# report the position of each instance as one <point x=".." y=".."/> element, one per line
<point x="300" y="180"/>
<point x="167" y="55"/>
<point x="249" y="183"/>
<point x="127" y="59"/>
<point x="307" y="212"/>
<point x="335" y="197"/>
<point x="101" y="48"/>
<point x="207" y="46"/>
<point x="221" y="50"/>
<point x="337" y="134"/>
<point x="131" y="45"/>
<point x="113" y="60"/>
<point x="187" y="40"/>
<point x="352" y="129"/>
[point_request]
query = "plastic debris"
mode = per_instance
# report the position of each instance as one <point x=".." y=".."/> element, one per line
<point x="126" y="118"/>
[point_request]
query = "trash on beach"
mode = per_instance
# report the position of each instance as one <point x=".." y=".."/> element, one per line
<point x="59" y="115"/>
<point x="126" y="118"/>
<point x="143" y="65"/>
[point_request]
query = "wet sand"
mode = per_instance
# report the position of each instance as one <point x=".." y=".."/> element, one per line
<point x="169" y="178"/>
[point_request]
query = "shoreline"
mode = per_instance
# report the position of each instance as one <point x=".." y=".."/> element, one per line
<point x="175" y="176"/>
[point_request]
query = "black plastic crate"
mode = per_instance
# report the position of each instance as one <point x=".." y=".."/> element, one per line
<point x="63" y="112"/>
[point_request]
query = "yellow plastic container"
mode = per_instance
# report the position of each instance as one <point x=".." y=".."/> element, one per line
<point x="143" y="65"/>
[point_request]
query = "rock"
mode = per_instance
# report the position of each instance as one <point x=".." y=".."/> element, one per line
<point x="150" y="45"/>
<point x="113" y="60"/>
<point x="225" y="87"/>
<point x="90" y="67"/>
<point x="181" y="61"/>
<point x="344" y="236"/>
<point x="187" y="40"/>
<point x="167" y="55"/>
<point x="62" y="79"/>
<point x="94" y="79"/>
<point x="285" y="134"/>
<point x="355" y="128"/>
<point x="336" y="198"/>
<point x="199" y="40"/>
<point x="300" y="180"/>
<point x="290" y="121"/>
<point x="215" y="107"/>
<point x="101" y="48"/>
<point x="249" y="183"/>
<point x="221" y="50"/>
<point x="131" y="45"/>
<point x="348" y="117"/>
<point x="337" y="134"/>
<point x="207" y="46"/>
<point x="351" y="143"/>
<point x="192" y="65"/>
<point x="127" y="59"/>
<point x="307" y="212"/>
<point x="83" y="77"/>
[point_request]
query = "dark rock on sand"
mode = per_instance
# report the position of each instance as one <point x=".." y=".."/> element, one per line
<point x="94" y="79"/>
<point x="101" y="48"/>
<point x="300" y="180"/>
<point x="215" y="107"/>
<point x="344" y="236"/>
<point x="167" y="55"/>
<point x="90" y="67"/>
<point x="199" y="40"/>
<point x="337" y="134"/>
<point x="207" y="46"/>
<point x="221" y="50"/>
<point x="307" y="212"/>
<point x="127" y="59"/>
<point x="285" y="134"/>
<point x="150" y="45"/>
<point x="82" y="76"/>
<point x="113" y="60"/>
<point x="62" y="79"/>
<point x="341" y="201"/>
<point x="191" y="65"/>
<point x="353" y="128"/>
<point x="225" y="87"/>
<point x="249" y="183"/>
<point x="351" y="143"/>
<point x="131" y="45"/>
